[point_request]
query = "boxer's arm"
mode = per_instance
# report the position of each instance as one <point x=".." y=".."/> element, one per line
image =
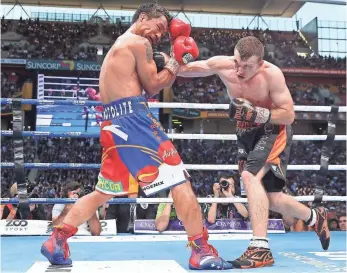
<point x="59" y="212"/>
<point x="212" y="213"/>
<point x="283" y="112"/>
<point x="1" y="210"/>
<point x="150" y="80"/>
<point x="241" y="209"/>
<point x="201" y="68"/>
<point x="163" y="217"/>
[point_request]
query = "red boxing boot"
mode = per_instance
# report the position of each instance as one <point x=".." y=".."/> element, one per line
<point x="56" y="249"/>
<point x="204" y="256"/>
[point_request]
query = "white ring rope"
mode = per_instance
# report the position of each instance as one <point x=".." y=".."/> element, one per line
<point x="71" y="78"/>
<point x="203" y="200"/>
<point x="307" y="198"/>
<point x="64" y="90"/>
<point x="70" y="84"/>
<point x="215" y="167"/>
<point x="299" y="108"/>
<point x="233" y="137"/>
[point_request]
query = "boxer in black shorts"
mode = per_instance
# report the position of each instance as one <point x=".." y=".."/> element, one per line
<point x="263" y="108"/>
<point x="268" y="143"/>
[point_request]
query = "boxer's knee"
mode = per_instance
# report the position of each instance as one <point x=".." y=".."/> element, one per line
<point x="247" y="178"/>
<point x="97" y="197"/>
<point x="183" y="189"/>
<point x="275" y="198"/>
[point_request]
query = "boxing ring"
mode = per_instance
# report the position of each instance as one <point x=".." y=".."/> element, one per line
<point x="125" y="253"/>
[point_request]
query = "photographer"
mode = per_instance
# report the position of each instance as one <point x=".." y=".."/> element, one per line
<point x="15" y="211"/>
<point x="226" y="188"/>
<point x="74" y="190"/>
<point x="9" y="211"/>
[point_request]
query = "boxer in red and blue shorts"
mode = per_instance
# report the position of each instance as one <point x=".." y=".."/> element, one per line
<point x="136" y="150"/>
<point x="135" y="142"/>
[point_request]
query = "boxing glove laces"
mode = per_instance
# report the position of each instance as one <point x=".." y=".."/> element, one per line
<point x="185" y="49"/>
<point x="243" y="110"/>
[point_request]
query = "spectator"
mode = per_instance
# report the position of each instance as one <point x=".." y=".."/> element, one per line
<point x="342" y="222"/>
<point x="9" y="211"/>
<point x="74" y="190"/>
<point x="165" y="213"/>
<point x="333" y="225"/>
<point x="226" y="188"/>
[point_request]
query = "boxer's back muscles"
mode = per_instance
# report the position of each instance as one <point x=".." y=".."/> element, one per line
<point x="118" y="77"/>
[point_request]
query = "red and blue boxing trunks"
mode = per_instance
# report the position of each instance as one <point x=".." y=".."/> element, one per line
<point x="136" y="151"/>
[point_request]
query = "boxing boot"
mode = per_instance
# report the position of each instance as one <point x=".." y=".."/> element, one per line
<point x="204" y="256"/>
<point x="256" y="255"/>
<point x="56" y="249"/>
<point x="321" y="226"/>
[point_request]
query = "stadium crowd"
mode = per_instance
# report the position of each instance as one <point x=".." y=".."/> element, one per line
<point x="70" y="41"/>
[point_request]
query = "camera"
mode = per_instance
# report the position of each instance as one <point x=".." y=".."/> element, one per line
<point x="224" y="184"/>
<point x="84" y="191"/>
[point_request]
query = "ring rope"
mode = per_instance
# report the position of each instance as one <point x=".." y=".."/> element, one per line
<point x="307" y="198"/>
<point x="206" y="167"/>
<point x="71" y="78"/>
<point x="301" y="108"/>
<point x="171" y="136"/>
<point x="56" y="83"/>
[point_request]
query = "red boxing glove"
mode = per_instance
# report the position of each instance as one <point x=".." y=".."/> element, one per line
<point x="185" y="49"/>
<point x="179" y="28"/>
<point x="91" y="92"/>
<point x="97" y="97"/>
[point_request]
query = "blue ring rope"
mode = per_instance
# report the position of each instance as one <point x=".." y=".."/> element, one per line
<point x="67" y="201"/>
<point x="83" y="166"/>
<point x="53" y="134"/>
<point x="54" y="102"/>
<point x="76" y="166"/>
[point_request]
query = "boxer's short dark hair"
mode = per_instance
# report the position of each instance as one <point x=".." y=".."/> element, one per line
<point x="152" y="10"/>
<point x="250" y="46"/>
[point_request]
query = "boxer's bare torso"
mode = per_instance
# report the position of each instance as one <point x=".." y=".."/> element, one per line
<point x="256" y="89"/>
<point x="118" y="75"/>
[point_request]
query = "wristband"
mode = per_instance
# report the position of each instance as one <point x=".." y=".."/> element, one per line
<point x="263" y="115"/>
<point x="172" y="65"/>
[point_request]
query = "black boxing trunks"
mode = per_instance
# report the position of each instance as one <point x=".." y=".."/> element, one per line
<point x="261" y="144"/>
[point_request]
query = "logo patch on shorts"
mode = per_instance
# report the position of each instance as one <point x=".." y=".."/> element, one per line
<point x="168" y="153"/>
<point x="108" y="185"/>
<point x="148" y="174"/>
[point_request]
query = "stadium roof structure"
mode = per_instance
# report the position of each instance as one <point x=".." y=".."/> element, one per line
<point x="281" y="8"/>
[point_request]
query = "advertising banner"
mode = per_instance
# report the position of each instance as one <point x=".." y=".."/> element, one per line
<point x="40" y="227"/>
<point x="62" y="65"/>
<point x="220" y="226"/>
